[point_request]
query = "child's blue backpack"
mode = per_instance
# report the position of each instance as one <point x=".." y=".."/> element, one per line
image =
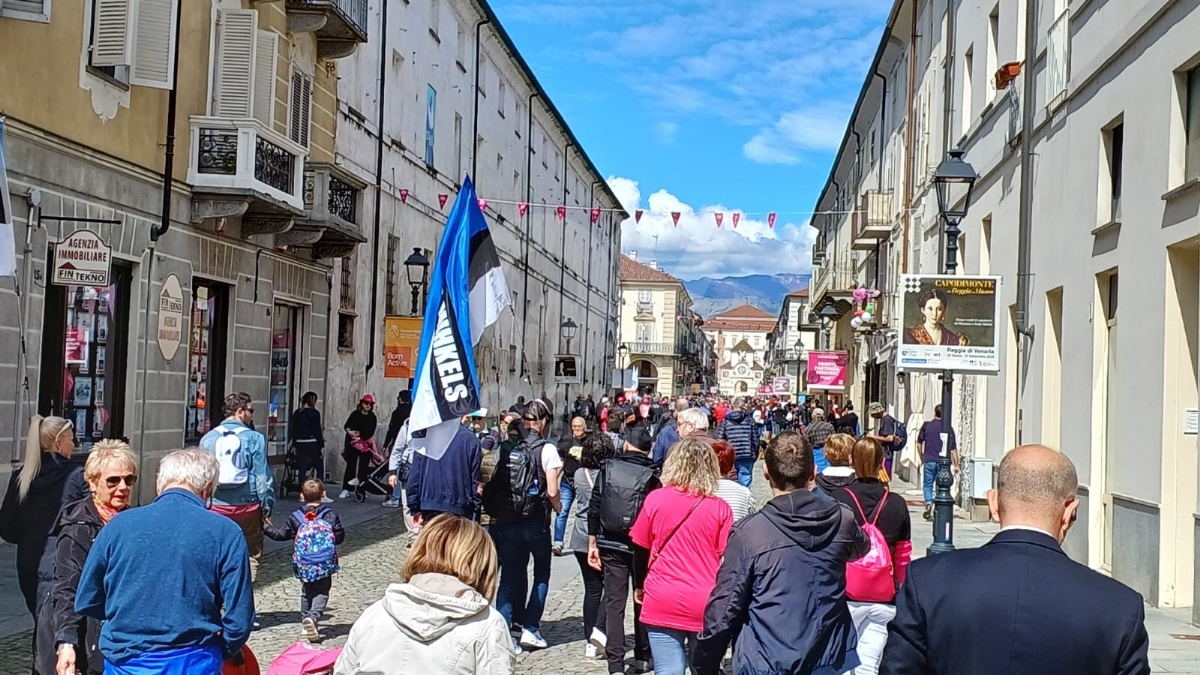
<point x="314" y="555"/>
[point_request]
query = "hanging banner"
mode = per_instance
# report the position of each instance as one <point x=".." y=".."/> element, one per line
<point x="403" y="195"/>
<point x="736" y="218"/>
<point x="8" y="242"/>
<point x="827" y="371"/>
<point x="523" y="208"/>
<point x="562" y="212"/>
<point x="595" y="215"/>
<point x="82" y="259"/>
<point x="401" y="339"/>
<point x="442" y="201"/>
<point x="949" y="323"/>
<point x="637" y="216"/>
<point x="771" y="220"/>
<point x="675" y="217"/>
<point x="170" y="317"/>
<point x="430" y="116"/>
<point x="720" y="218"/>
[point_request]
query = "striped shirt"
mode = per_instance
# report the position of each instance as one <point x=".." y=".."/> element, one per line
<point x="740" y="501"/>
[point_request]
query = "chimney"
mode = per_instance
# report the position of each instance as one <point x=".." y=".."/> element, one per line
<point x="633" y="256"/>
<point x="653" y="264"/>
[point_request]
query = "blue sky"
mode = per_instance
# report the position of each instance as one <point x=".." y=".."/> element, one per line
<point x="703" y="106"/>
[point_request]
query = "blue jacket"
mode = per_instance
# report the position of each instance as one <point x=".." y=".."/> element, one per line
<point x="450" y="483"/>
<point x="667" y="436"/>
<point x="781" y="591"/>
<point x="159" y="575"/>
<point x="738" y="429"/>
<point x="260" y="489"/>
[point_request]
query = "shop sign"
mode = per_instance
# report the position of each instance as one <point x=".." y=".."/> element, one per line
<point x="82" y="259"/>
<point x="401" y="340"/>
<point x="170" y="317"/>
<point x="827" y="371"/>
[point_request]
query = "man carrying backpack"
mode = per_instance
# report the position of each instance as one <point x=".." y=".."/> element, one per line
<point x="890" y="432"/>
<point x="316" y="531"/>
<point x="617" y="498"/>
<point x="245" y="487"/>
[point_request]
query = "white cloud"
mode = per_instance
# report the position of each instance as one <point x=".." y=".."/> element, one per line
<point x="818" y="128"/>
<point x="696" y="248"/>
<point x="666" y="131"/>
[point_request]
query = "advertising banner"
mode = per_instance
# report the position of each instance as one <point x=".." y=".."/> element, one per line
<point x="781" y="385"/>
<point x="401" y="339"/>
<point x="949" y="323"/>
<point x="82" y="259"/>
<point x="566" y="369"/>
<point x="765" y="390"/>
<point x="827" y="370"/>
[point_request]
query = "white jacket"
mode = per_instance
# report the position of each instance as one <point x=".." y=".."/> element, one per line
<point x="432" y="625"/>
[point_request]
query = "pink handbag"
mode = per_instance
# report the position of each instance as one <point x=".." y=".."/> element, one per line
<point x="305" y="659"/>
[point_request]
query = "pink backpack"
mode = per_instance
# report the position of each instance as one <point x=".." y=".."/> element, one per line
<point x="304" y="659"/>
<point x="871" y="577"/>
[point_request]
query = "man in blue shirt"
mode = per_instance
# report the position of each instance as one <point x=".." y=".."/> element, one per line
<point x="929" y="444"/>
<point x="670" y="434"/>
<point x="159" y="575"/>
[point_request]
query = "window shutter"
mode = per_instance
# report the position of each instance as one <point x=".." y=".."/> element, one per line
<point x="233" y="80"/>
<point x="153" y="47"/>
<point x="301" y="108"/>
<point x="31" y="6"/>
<point x="110" y="40"/>
<point x="265" y="59"/>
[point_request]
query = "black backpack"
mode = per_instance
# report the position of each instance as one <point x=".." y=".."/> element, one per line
<point x="623" y="485"/>
<point x="517" y="490"/>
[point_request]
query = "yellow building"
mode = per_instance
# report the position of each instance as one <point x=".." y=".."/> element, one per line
<point x="660" y="336"/>
<point x="257" y="210"/>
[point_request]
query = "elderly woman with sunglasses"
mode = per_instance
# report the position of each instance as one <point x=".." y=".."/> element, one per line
<point x="66" y="642"/>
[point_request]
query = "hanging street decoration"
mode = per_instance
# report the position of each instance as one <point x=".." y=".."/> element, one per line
<point x="562" y="212"/>
<point x="771" y="220"/>
<point x="736" y="217"/>
<point x="482" y="204"/>
<point x="675" y="217"/>
<point x="720" y="218"/>
<point x="637" y="216"/>
<point x="442" y="201"/>
<point x="522" y="209"/>
<point x="595" y="215"/>
<point x="403" y="195"/>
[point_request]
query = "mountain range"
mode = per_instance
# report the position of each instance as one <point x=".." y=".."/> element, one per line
<point x="712" y="296"/>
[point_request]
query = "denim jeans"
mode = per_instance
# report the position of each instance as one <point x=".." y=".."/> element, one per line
<point x="515" y="543"/>
<point x="745" y="471"/>
<point x="314" y="597"/>
<point x="671" y="649"/>
<point x="870" y="621"/>
<point x="567" y="494"/>
<point x="928" y="474"/>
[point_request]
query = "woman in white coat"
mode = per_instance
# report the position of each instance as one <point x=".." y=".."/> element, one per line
<point x="440" y="619"/>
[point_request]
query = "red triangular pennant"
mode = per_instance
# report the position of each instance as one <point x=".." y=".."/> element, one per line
<point x="675" y="218"/>
<point x="595" y="215"/>
<point x="562" y="212"/>
<point x="482" y="204"/>
<point x="736" y="217"/>
<point x="637" y="216"/>
<point x="522" y="208"/>
<point x="720" y="218"/>
<point x="771" y="220"/>
<point x="404" y="195"/>
<point x="442" y="201"/>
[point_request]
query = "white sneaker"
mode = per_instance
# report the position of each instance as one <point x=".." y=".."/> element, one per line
<point x="391" y="503"/>
<point x="517" y="648"/>
<point x="345" y="494"/>
<point x="326" y="500"/>
<point x="353" y="482"/>
<point x="532" y="639"/>
<point x="589" y="651"/>
<point x="309" y="630"/>
<point x="598" y="638"/>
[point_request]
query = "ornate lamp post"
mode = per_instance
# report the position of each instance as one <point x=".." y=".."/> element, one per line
<point x="568" y="330"/>
<point x="417" y="266"/>
<point x="828" y="315"/>
<point x="953" y="172"/>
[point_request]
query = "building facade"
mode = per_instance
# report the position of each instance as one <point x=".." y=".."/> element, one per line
<point x="1093" y="77"/>
<point x="245" y="304"/>
<point x="457" y="98"/>
<point x="739" y="338"/>
<point x="794" y="336"/>
<point x="660" y="335"/>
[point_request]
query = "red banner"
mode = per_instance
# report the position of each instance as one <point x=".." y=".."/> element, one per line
<point x="482" y="204"/>
<point x="675" y="217"/>
<point x="637" y="216"/>
<point x="562" y="212"/>
<point x="442" y="201"/>
<point x="404" y="195"/>
<point x="720" y="218"/>
<point x="595" y="215"/>
<point x="771" y="220"/>
<point x="522" y="209"/>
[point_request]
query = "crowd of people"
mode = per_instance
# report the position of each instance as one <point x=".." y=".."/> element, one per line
<point x="651" y="498"/>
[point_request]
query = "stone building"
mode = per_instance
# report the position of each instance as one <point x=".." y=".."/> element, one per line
<point x="660" y="333"/>
<point x="739" y="336"/>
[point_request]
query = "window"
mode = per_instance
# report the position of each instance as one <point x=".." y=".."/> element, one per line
<point x="968" y="74"/>
<point x="461" y="48"/>
<point x="301" y="108"/>
<point x="499" y="165"/>
<point x="206" y="358"/>
<point x="993" y="48"/>
<point x="287" y="331"/>
<point x="345" y="337"/>
<point x="483" y="76"/>
<point x="131" y="47"/>
<point x="458" y="147"/>
<point x="244" y="70"/>
<point x="645" y="331"/>
<point x="346" y="301"/>
<point x="644" y="296"/>
<point x="389" y="301"/>
<point x="520" y="117"/>
<point x="501" y="96"/>
<point x="1192" y="120"/>
<point x="871" y="147"/>
<point x="516" y="182"/>
<point x="32" y="10"/>
<point x="435" y="18"/>
<point x="557" y="163"/>
<point x="545" y="152"/>
<point x="1114" y="148"/>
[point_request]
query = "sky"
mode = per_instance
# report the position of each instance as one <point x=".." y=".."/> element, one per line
<point x="702" y="106"/>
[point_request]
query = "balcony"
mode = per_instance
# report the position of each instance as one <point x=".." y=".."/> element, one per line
<point x="238" y="167"/>
<point x="652" y="349"/>
<point x="834" y="283"/>
<point x="331" y="227"/>
<point x="340" y="25"/>
<point x="872" y="221"/>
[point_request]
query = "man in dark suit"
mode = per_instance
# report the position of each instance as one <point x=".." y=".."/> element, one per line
<point x="1018" y="604"/>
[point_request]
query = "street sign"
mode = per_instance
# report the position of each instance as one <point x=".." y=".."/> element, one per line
<point x="170" y="317"/>
<point x="82" y="259"/>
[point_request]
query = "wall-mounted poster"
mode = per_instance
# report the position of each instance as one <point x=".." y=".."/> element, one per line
<point x="827" y="370"/>
<point x="98" y="391"/>
<point x="566" y="369"/>
<point x="82" y="396"/>
<point x="949" y="323"/>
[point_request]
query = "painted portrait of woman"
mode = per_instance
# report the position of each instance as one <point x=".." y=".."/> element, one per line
<point x="930" y="331"/>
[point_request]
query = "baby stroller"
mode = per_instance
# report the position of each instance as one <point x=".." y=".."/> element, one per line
<point x="376" y="482"/>
<point x="292" y="480"/>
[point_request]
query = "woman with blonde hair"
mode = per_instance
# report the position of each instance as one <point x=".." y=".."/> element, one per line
<point x="66" y="641"/>
<point x="679" y="538"/>
<point x="439" y="619"/>
<point x="36" y="493"/>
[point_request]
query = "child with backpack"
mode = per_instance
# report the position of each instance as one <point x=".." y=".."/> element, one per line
<point x="316" y="532"/>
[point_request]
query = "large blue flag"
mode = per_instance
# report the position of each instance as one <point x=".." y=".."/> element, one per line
<point x="467" y="292"/>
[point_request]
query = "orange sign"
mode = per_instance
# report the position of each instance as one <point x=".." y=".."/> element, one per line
<point x="401" y="339"/>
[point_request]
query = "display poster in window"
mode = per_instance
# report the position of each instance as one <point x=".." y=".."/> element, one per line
<point x="76" y="347"/>
<point x="98" y="391"/>
<point x="949" y="323"/>
<point x="566" y="369"/>
<point x="196" y="421"/>
<point x="402" y="338"/>
<point x="82" y="394"/>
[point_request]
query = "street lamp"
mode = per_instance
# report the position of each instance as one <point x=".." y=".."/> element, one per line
<point x="623" y="353"/>
<point x="953" y="172"/>
<point x="417" y="266"/>
<point x="568" y="329"/>
<point x="828" y="315"/>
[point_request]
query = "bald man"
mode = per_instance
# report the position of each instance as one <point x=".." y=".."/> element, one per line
<point x="1018" y="604"/>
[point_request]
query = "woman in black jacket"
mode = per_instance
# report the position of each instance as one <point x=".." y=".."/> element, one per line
<point x="360" y="425"/>
<point x="65" y="641"/>
<point x="47" y="480"/>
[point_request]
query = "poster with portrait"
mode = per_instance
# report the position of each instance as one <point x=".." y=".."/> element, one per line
<point x="949" y="323"/>
<point x="566" y="369"/>
<point x="82" y="395"/>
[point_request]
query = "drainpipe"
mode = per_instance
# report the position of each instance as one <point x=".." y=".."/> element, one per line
<point x="1025" y="219"/>
<point x="908" y="140"/>
<point x="383" y="61"/>
<point x="882" y="130"/>
<point x="947" y="109"/>
<point x="528" y="226"/>
<point x="587" y="281"/>
<point x="475" y="115"/>
<point x="562" y="257"/>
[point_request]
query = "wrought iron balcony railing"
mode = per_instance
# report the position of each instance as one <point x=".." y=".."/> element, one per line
<point x="242" y="154"/>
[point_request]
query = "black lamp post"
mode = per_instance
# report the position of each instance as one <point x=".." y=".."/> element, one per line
<point x="953" y="172"/>
<point x="568" y="330"/>
<point x="622" y="363"/>
<point x="417" y="266"/>
<point x="828" y="315"/>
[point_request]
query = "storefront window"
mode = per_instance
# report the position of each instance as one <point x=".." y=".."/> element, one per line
<point x="285" y="331"/>
<point x="206" y="363"/>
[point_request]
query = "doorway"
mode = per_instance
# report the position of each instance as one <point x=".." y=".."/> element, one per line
<point x="207" y="338"/>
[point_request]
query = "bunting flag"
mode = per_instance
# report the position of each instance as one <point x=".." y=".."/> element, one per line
<point x="771" y="220"/>
<point x="442" y="201"/>
<point x="720" y="218"/>
<point x="637" y="216"/>
<point x="675" y="217"/>
<point x="562" y="212"/>
<point x="522" y="209"/>
<point x="595" y="215"/>
<point x="403" y="195"/>
<point x="467" y="293"/>
<point x="736" y="217"/>
<point x="482" y="204"/>
<point x="8" y="240"/>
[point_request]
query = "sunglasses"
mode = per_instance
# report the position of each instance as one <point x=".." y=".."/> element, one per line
<point x="113" y="481"/>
